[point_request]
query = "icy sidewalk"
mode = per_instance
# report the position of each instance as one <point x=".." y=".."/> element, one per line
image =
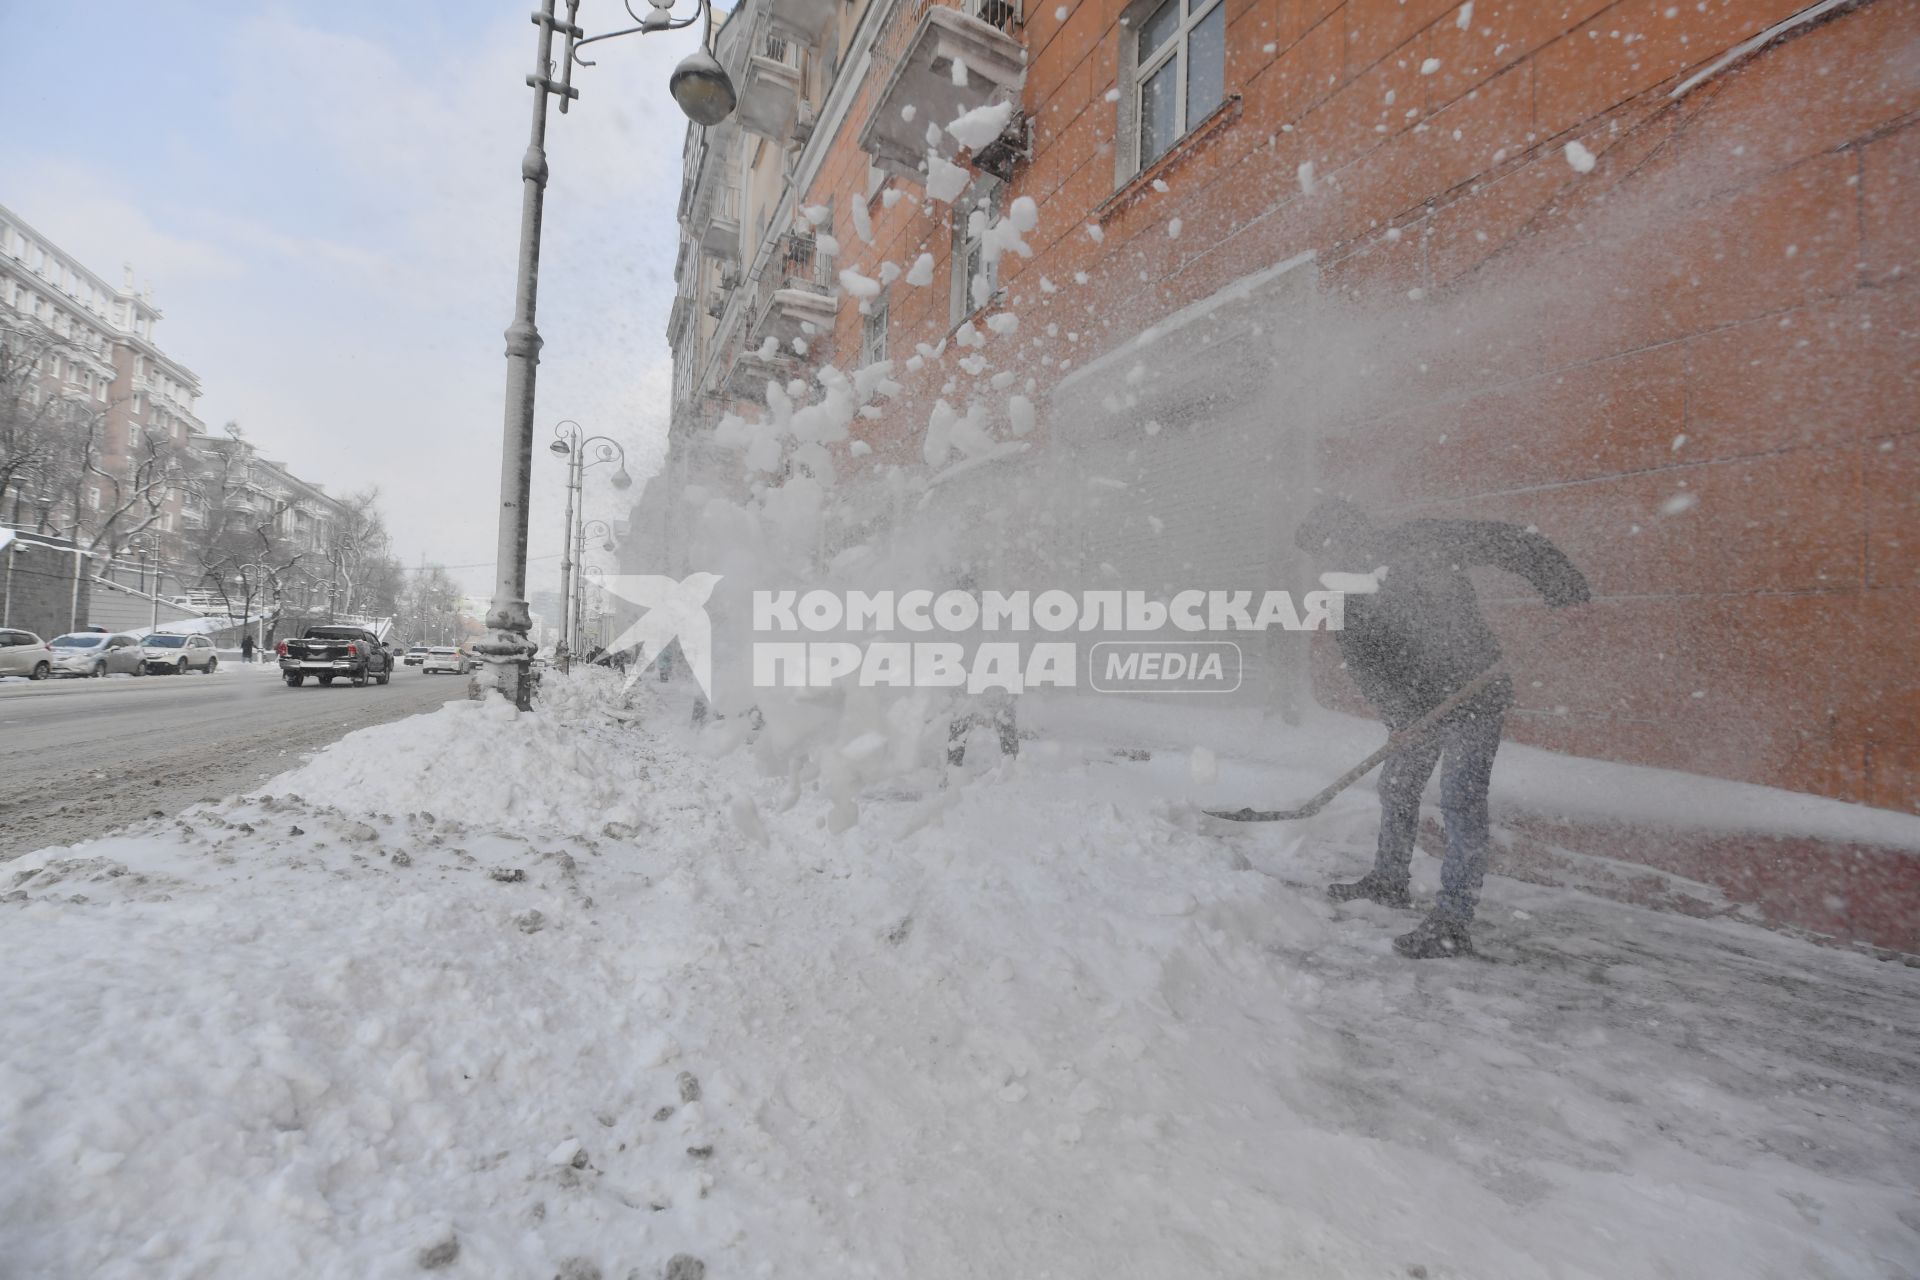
<point x="565" y="995"/>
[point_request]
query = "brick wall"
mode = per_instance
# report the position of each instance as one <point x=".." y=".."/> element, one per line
<point x="1723" y="312"/>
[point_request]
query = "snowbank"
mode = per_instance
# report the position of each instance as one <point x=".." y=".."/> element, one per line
<point x="568" y="994"/>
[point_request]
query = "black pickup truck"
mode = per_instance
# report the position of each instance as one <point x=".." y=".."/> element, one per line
<point x="327" y="652"/>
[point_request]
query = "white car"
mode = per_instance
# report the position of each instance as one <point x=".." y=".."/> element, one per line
<point x="445" y="658"/>
<point x="23" y="653"/>
<point x="96" y="653"/>
<point x="178" y="654"/>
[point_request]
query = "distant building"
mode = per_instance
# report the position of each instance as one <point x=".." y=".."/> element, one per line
<point x="105" y="362"/>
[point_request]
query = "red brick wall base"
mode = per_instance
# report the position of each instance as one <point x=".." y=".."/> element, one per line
<point x="1834" y="892"/>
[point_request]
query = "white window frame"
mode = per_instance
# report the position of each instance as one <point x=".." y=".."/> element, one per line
<point x="961" y="304"/>
<point x="1135" y="73"/>
<point x="873" y="330"/>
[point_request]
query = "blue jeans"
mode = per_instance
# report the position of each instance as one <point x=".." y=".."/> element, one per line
<point x="1463" y="745"/>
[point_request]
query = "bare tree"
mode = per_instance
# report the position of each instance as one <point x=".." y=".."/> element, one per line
<point x="38" y="458"/>
<point x="238" y="551"/>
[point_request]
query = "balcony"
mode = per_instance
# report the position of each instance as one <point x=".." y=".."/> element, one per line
<point x="807" y="21"/>
<point x="770" y="89"/>
<point x="716" y="220"/>
<point x="750" y="373"/>
<point x="794" y="291"/>
<point x="923" y="79"/>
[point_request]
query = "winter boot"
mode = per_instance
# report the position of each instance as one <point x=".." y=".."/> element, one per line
<point x="1440" y="936"/>
<point x="1374" y="887"/>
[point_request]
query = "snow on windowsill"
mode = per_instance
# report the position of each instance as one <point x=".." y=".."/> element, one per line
<point x="1759" y="42"/>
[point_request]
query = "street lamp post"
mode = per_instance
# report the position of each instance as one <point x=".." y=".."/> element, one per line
<point x="580" y="558"/>
<point x="147" y="548"/>
<point x="701" y="87"/>
<point x="569" y="444"/>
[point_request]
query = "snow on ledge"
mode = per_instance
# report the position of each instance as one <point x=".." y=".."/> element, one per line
<point x="1306" y="756"/>
<point x="1754" y="45"/>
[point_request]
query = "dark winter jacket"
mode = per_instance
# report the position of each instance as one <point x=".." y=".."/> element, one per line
<point x="1417" y="640"/>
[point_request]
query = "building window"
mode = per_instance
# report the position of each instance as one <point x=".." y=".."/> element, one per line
<point x="873" y="332"/>
<point x="975" y="280"/>
<point x="1173" y="64"/>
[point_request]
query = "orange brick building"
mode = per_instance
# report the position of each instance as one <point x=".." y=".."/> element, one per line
<point x="1638" y="272"/>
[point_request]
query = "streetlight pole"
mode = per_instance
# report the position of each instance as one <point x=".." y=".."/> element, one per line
<point x="580" y="558"/>
<point x="701" y="87"/>
<point x="568" y="443"/>
<point x="146" y="548"/>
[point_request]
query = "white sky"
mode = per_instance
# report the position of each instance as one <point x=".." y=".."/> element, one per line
<point x="326" y="201"/>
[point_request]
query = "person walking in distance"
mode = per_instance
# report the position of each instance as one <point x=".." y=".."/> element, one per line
<point x="1413" y="637"/>
<point x="246" y="647"/>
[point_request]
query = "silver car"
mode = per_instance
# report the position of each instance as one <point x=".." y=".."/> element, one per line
<point x="178" y="654"/>
<point x="23" y="653"/>
<point x="95" y="653"/>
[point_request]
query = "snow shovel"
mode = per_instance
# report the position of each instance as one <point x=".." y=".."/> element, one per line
<point x="1418" y="729"/>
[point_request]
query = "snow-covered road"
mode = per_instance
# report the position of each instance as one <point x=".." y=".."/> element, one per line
<point x="86" y="756"/>
<point x="577" y="994"/>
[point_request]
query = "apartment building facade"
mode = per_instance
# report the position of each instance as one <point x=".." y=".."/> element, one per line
<point x="128" y="404"/>
<point x="1639" y="273"/>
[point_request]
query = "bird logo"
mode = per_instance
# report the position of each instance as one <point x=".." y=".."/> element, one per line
<point x="674" y="611"/>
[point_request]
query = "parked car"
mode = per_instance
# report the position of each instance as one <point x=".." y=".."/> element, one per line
<point x="178" y="654"/>
<point x="416" y="655"/>
<point x="328" y="652"/>
<point x="23" y="653"/>
<point x="445" y="657"/>
<point x="97" y="653"/>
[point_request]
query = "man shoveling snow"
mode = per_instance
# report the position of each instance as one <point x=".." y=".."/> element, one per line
<point x="1414" y="637"/>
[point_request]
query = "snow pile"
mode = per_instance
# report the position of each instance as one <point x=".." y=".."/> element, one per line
<point x="484" y="763"/>
<point x="1046" y="1024"/>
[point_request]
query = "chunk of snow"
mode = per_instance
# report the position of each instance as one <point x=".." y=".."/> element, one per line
<point x="1004" y="323"/>
<point x="862" y="220"/>
<point x="1024" y="214"/>
<point x="920" y="274"/>
<point x="828" y="245"/>
<point x="1203" y="767"/>
<point x="1020" y="414"/>
<point x="890" y="197"/>
<point x="1159" y="184"/>
<point x="1464" y="18"/>
<point x="945" y="179"/>
<point x="960" y="73"/>
<point x="817" y="214"/>
<point x="1580" y="158"/>
<point x="1354" y="584"/>
<point x="889" y="272"/>
<point x="1430" y="66"/>
<point x="1173" y="229"/>
<point x="908" y="112"/>
<point x="1679" y="504"/>
<point x="858" y="285"/>
<point x="1094" y="233"/>
<point x="978" y="128"/>
<point x="1305" y="174"/>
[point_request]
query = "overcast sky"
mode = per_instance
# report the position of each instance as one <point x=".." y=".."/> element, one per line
<point x="326" y="198"/>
